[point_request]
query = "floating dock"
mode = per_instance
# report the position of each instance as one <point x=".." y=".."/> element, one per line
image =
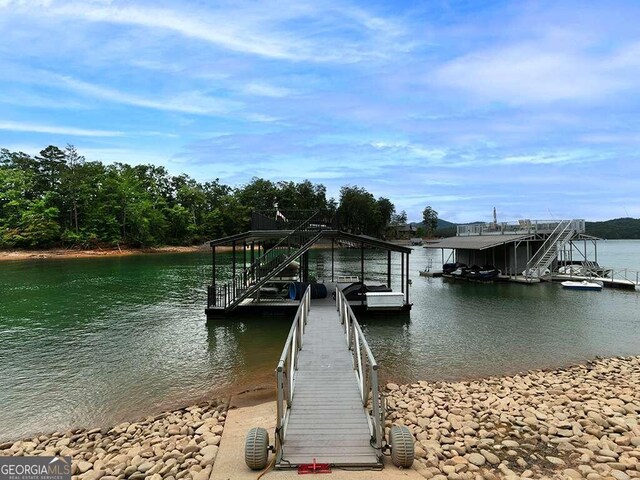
<point x="621" y="283"/>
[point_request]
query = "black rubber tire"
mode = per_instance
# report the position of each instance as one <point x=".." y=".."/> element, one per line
<point x="402" y="449"/>
<point x="256" y="448"/>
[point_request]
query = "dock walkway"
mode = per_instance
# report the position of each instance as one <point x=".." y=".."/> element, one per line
<point x="327" y="420"/>
<point x="329" y="405"/>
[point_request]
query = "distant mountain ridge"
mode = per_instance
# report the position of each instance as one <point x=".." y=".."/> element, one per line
<point x="617" y="228"/>
<point x="441" y="224"/>
<point x="444" y="228"/>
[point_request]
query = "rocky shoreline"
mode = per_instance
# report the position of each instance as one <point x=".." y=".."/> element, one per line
<point x="573" y="423"/>
<point x="175" y="445"/>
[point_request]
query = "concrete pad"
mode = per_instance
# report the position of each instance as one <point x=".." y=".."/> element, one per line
<point x="250" y="410"/>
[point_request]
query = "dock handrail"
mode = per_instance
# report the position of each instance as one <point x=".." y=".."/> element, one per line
<point x="290" y="218"/>
<point x="287" y="365"/>
<point x="521" y="227"/>
<point x="625" y="274"/>
<point x="603" y="273"/>
<point x="366" y="369"/>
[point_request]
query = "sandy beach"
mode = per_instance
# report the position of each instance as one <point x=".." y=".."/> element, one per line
<point x="62" y="253"/>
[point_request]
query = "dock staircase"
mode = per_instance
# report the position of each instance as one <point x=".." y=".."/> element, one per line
<point x="548" y="251"/>
<point x="248" y="281"/>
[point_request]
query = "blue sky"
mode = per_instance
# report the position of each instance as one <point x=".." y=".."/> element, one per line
<point x="531" y="107"/>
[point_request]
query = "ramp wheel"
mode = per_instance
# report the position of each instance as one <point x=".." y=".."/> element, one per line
<point x="256" y="448"/>
<point x="402" y="452"/>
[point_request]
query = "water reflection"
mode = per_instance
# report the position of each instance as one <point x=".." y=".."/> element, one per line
<point x="246" y="348"/>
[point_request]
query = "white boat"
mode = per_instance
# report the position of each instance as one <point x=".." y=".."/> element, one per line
<point x="583" y="285"/>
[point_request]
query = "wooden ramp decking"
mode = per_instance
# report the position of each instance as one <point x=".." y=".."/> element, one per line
<point x="327" y="421"/>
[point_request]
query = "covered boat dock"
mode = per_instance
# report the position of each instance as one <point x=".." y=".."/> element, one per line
<point x="509" y="252"/>
<point x="526" y="251"/>
<point x="274" y="255"/>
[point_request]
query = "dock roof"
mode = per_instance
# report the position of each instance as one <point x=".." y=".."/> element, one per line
<point x="476" y="242"/>
<point x="257" y="235"/>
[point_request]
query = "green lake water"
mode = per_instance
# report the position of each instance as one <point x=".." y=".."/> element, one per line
<point x="92" y="342"/>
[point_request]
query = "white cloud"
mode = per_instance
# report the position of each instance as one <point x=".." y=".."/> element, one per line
<point x="261" y="118"/>
<point x="419" y="151"/>
<point x="189" y="102"/>
<point x="266" y="90"/>
<point x="524" y="74"/>
<point x="255" y="28"/>
<point x="57" y="130"/>
<point x="535" y="60"/>
<point x="544" y="158"/>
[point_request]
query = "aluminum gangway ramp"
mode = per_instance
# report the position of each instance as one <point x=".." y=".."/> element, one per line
<point x="327" y="420"/>
<point x="329" y="407"/>
<point x="329" y="411"/>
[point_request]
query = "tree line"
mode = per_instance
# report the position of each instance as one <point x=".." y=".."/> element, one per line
<point x="59" y="198"/>
<point x="617" y="228"/>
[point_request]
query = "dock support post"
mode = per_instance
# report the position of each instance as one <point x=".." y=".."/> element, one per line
<point x="505" y="257"/>
<point x="389" y="268"/>
<point x="253" y="259"/>
<point x="213" y="273"/>
<point x="402" y="272"/>
<point x="362" y="273"/>
<point x="232" y="293"/>
<point x="571" y="252"/>
<point x="407" y="294"/>
<point x="305" y="266"/>
<point x="332" y="258"/>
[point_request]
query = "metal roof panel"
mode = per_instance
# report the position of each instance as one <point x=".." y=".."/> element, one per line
<point x="476" y="242"/>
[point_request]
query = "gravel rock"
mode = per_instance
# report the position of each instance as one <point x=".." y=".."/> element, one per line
<point x="490" y="457"/>
<point x="159" y="447"/>
<point x="84" y="466"/>
<point x="572" y="423"/>
<point x="477" y="459"/>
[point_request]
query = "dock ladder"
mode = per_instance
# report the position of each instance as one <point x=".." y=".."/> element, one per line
<point x="329" y="408"/>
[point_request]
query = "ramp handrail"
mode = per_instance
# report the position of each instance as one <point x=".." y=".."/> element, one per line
<point x="287" y="365"/>
<point x="366" y="369"/>
<point x="604" y="273"/>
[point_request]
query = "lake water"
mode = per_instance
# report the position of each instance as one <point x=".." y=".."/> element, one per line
<point x="97" y="341"/>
